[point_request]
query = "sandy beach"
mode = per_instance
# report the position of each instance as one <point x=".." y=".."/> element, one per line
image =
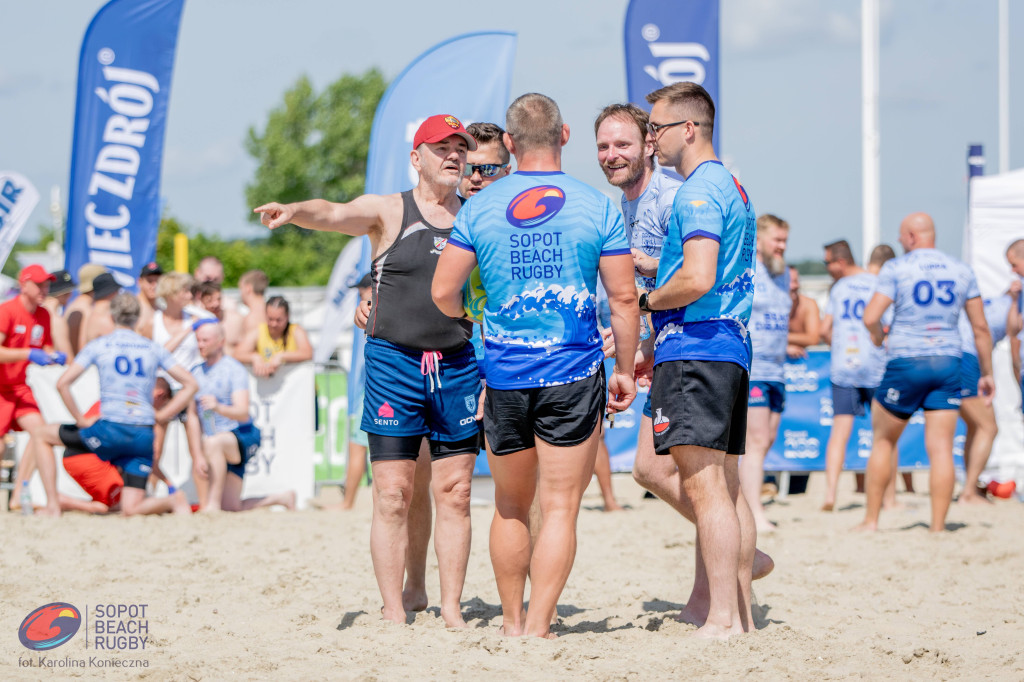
<point x="272" y="595"/>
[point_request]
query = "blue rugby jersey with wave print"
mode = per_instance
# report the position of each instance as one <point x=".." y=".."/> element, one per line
<point x="711" y="203"/>
<point x="539" y="238"/>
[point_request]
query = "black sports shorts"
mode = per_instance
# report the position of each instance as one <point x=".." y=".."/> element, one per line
<point x="700" y="402"/>
<point x="562" y="416"/>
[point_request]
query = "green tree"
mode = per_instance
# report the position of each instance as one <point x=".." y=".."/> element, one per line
<point x="313" y="146"/>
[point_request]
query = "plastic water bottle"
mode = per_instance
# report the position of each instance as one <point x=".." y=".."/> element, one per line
<point x="26" y="500"/>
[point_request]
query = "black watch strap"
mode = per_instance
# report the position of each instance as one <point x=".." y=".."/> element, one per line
<point x="644" y="305"/>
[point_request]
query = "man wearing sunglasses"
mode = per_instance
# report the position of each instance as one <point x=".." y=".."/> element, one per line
<point x="701" y="309"/>
<point x="489" y="162"/>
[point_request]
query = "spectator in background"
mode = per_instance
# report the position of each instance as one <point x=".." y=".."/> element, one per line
<point x="275" y="342"/>
<point x="100" y="323"/>
<point x="230" y="439"/>
<point x="75" y="314"/>
<point x="804" y="319"/>
<point x="209" y="269"/>
<point x="24" y="338"/>
<point x="148" y="278"/>
<point x="252" y="286"/>
<point x="172" y="326"/>
<point x="60" y="291"/>
<point x="208" y="295"/>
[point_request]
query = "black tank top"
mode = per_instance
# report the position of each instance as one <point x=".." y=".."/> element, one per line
<point x="403" y="311"/>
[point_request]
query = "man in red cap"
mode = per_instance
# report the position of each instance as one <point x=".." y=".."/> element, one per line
<point x="24" y="338"/>
<point x="421" y="376"/>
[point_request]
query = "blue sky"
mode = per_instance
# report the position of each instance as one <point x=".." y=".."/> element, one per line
<point x="789" y="109"/>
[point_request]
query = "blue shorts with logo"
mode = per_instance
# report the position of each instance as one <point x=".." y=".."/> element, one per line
<point x="931" y="382"/>
<point x="970" y="372"/>
<point x="127" y="446"/>
<point x="770" y="394"/>
<point x="248" y="437"/>
<point x="851" y="400"/>
<point x="403" y="398"/>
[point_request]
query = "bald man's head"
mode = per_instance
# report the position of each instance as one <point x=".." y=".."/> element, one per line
<point x="210" y="339"/>
<point x="917" y="231"/>
<point x="1015" y="257"/>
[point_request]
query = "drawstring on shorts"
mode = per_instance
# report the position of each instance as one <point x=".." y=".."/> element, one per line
<point x="430" y="366"/>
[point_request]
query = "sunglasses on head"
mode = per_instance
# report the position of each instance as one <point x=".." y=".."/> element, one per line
<point x="486" y="170"/>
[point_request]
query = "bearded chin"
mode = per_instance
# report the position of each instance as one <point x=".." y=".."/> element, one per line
<point x="776" y="265"/>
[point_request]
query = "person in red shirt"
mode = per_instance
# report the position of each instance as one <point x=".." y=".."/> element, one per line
<point x="24" y="338"/>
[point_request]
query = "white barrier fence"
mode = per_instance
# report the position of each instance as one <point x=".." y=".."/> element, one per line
<point x="281" y="406"/>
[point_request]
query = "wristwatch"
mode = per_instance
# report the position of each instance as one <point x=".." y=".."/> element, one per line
<point x="643" y="303"/>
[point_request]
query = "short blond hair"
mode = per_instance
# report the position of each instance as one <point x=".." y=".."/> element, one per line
<point x="172" y="283"/>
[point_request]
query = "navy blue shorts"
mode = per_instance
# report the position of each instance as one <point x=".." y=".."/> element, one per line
<point x="248" y="437"/>
<point x="931" y="382"/>
<point x="970" y="372"/>
<point x="648" y="412"/>
<point x="770" y="394"/>
<point x="403" y="400"/>
<point x="851" y="400"/>
<point x="126" y="446"/>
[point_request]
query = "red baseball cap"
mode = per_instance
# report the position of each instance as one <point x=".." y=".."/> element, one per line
<point x="440" y="126"/>
<point x="35" y="273"/>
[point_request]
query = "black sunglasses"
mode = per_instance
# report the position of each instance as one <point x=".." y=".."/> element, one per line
<point x="655" y="128"/>
<point x="486" y="170"/>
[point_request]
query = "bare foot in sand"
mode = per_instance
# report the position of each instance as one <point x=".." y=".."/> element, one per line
<point x="717" y="632"/>
<point x="414" y="598"/>
<point x="453" y="619"/>
<point x="865" y="527"/>
<point x="394" y="616"/>
<point x="49" y="510"/>
<point x="763" y="565"/>
<point x="693" y="614"/>
<point x="544" y="635"/>
<point x="968" y="497"/>
<point x="828" y="506"/>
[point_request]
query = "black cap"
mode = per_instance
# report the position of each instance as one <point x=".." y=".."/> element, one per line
<point x="62" y="283"/>
<point x="152" y="268"/>
<point x="104" y="285"/>
<point x="364" y="282"/>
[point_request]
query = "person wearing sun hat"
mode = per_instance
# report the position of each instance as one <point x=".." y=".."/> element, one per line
<point x="77" y="313"/>
<point x="24" y="338"/>
<point x="99" y="322"/>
